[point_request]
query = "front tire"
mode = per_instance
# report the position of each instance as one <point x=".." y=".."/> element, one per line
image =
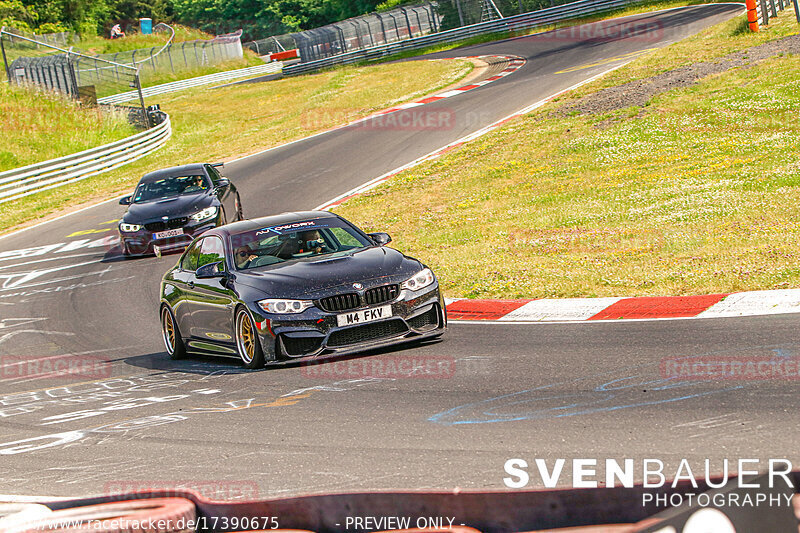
<point x="171" y="335"/>
<point x="247" y="344"/>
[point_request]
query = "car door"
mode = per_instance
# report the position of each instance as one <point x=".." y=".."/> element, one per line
<point x="212" y="306"/>
<point x="183" y="280"/>
<point x="225" y="192"/>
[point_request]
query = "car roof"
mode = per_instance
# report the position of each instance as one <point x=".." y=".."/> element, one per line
<point x="182" y="170"/>
<point x="283" y="218"/>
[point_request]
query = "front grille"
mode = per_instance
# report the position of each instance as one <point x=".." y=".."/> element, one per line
<point x="424" y="320"/>
<point x="352" y="300"/>
<point x="296" y="346"/>
<point x="169" y="224"/>
<point x="367" y="332"/>
<point x="340" y="302"/>
<point x="379" y="295"/>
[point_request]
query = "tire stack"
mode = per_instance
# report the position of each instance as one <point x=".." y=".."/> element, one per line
<point x="156" y="515"/>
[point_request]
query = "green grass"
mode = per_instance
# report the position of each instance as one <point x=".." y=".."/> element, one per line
<point x="696" y="192"/>
<point x="217" y="124"/>
<point x="41" y="125"/>
<point x="150" y="77"/>
<point x="96" y="44"/>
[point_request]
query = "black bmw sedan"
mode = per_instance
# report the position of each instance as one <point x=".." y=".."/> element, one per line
<point x="296" y="285"/>
<point x="172" y="206"/>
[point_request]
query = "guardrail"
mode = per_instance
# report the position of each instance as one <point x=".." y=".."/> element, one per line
<point x="31" y="179"/>
<point x="266" y="68"/>
<point x="525" y="21"/>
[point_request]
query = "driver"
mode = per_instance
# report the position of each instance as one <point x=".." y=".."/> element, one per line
<point x="243" y="256"/>
<point x="312" y="241"/>
<point x="195" y="181"/>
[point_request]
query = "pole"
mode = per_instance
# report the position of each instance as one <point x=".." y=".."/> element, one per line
<point x="141" y="100"/>
<point x="752" y="15"/>
<point x="460" y="13"/>
<point x="8" y="67"/>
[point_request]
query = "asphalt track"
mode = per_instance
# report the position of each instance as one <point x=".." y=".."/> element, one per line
<point x="442" y="415"/>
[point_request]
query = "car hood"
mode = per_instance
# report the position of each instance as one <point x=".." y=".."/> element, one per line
<point x="179" y="206"/>
<point x="317" y="278"/>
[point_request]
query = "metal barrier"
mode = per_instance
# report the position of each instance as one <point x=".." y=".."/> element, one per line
<point x="526" y="21"/>
<point x="31" y="179"/>
<point x="267" y="68"/>
<point x="355" y="33"/>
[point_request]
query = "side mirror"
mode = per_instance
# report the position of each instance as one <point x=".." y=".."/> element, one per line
<point x="380" y="238"/>
<point x="223" y="182"/>
<point x="125" y="200"/>
<point x="211" y="270"/>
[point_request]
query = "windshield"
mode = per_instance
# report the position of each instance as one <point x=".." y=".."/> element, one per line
<point x="297" y="240"/>
<point x="169" y="187"/>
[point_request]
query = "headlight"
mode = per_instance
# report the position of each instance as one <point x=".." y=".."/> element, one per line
<point x="208" y="212"/>
<point x="420" y="280"/>
<point x="284" y="307"/>
<point x="129" y="228"/>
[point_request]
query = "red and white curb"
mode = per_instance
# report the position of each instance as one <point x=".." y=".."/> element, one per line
<point x="514" y="64"/>
<point x="738" y="304"/>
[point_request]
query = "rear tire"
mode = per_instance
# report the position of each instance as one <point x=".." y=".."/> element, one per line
<point x="171" y="335"/>
<point x="247" y="344"/>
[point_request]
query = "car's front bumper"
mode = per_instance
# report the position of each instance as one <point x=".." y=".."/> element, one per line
<point x="315" y="333"/>
<point x="143" y="242"/>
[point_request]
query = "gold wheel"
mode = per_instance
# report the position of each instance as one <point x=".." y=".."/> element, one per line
<point x="168" y="330"/>
<point x="246" y="338"/>
<point x="171" y="334"/>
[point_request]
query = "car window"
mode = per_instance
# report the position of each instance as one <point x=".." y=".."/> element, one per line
<point x="170" y="187"/>
<point x="345" y="238"/>
<point x="189" y="261"/>
<point x="213" y="173"/>
<point x="211" y="251"/>
<point x="296" y="240"/>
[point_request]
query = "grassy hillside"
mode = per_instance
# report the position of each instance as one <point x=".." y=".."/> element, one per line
<point x="38" y="126"/>
<point x="696" y="190"/>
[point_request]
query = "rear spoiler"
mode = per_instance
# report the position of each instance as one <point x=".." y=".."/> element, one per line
<point x="217" y="165"/>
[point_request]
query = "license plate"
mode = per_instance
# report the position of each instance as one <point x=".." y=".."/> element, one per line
<point x="367" y="315"/>
<point x="168" y="233"/>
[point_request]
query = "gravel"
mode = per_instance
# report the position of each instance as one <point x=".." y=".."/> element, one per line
<point x="639" y="92"/>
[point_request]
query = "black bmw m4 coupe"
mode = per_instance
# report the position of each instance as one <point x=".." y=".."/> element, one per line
<point x="296" y="286"/>
<point x="172" y="206"/>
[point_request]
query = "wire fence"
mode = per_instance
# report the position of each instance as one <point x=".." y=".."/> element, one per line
<point x="354" y="33"/>
<point x="61" y="39"/>
<point x="81" y="77"/>
<point x="89" y="78"/>
<point x="177" y="57"/>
